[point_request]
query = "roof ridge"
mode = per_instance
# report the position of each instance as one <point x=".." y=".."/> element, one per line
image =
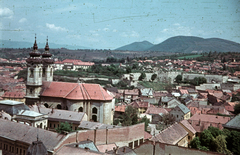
<point x="86" y="91"/>
<point x="81" y="90"/>
<point x="70" y="91"/>
<point x="101" y="92"/>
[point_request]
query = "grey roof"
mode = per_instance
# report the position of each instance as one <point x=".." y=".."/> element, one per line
<point x="87" y="144"/>
<point x="28" y="134"/>
<point x="37" y="147"/>
<point x="93" y="125"/>
<point x="59" y="115"/>
<point x="171" y="135"/>
<point x="122" y="151"/>
<point x="233" y="123"/>
<point x="166" y="99"/>
<point x="146" y="92"/>
<point x="183" y="108"/>
<point x="10" y="102"/>
<point x="13" y="109"/>
<point x="29" y="113"/>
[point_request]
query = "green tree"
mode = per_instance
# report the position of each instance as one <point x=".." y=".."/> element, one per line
<point x="64" y="127"/>
<point x="237" y="108"/>
<point x="153" y="77"/>
<point x="130" y="117"/>
<point x="221" y="144"/>
<point x="215" y="131"/>
<point x="178" y="79"/>
<point x="146" y="121"/>
<point x="195" y="143"/>
<point x="199" y="80"/>
<point x="233" y="141"/>
<point x="142" y="76"/>
<point x="128" y="69"/>
<point x="22" y="74"/>
<point x="206" y="139"/>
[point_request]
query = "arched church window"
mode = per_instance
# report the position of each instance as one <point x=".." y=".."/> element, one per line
<point x="51" y="73"/>
<point x="80" y="109"/>
<point x="31" y="90"/>
<point x="94" y="110"/>
<point x="94" y="118"/>
<point x="31" y="73"/>
<point x="44" y="72"/>
<point x="40" y="70"/>
<point x="59" y="106"/>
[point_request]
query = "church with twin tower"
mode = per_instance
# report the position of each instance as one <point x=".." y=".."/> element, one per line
<point x="92" y="99"/>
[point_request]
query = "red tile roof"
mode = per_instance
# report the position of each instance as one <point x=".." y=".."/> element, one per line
<point x="201" y="122"/>
<point x="75" y="91"/>
<point x="120" y="108"/>
<point x="13" y="95"/>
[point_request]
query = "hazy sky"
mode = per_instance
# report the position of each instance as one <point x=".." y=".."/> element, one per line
<point x="109" y="24"/>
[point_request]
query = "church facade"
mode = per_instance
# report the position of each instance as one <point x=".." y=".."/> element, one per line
<point x="92" y="99"/>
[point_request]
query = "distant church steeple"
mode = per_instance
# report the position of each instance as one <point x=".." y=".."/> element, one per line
<point x="35" y="47"/>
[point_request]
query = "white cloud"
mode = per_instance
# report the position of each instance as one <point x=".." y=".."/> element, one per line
<point x="6" y="12"/>
<point x="74" y="36"/>
<point x="114" y="30"/>
<point x="178" y="29"/>
<point x="94" y="33"/>
<point x="22" y="20"/>
<point x="105" y="29"/>
<point x="131" y="34"/>
<point x="55" y="28"/>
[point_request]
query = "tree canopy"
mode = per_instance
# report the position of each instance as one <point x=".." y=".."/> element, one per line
<point x="178" y="79"/>
<point x="64" y="127"/>
<point x="130" y="117"/>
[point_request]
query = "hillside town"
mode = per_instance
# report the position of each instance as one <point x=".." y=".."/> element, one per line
<point x="165" y="106"/>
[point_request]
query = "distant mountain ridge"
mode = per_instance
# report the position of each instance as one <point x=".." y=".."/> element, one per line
<point x="24" y="44"/>
<point x="137" y="46"/>
<point x="188" y="44"/>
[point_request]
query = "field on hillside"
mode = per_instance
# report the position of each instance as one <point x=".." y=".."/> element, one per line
<point x="189" y="56"/>
<point x="157" y="86"/>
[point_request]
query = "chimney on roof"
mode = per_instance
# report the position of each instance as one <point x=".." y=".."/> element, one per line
<point x="52" y="110"/>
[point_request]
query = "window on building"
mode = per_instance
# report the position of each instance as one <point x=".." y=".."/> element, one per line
<point x="51" y="73"/>
<point x="40" y="71"/>
<point x="44" y="72"/>
<point x="50" y="125"/>
<point x="59" y="106"/>
<point x="94" y="110"/>
<point x="31" y="73"/>
<point x="94" y="118"/>
<point x="80" y="109"/>
<point x="31" y="91"/>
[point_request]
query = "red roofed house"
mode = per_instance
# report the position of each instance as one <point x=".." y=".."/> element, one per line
<point x="201" y="122"/>
<point x="141" y="106"/>
<point x="72" y="64"/>
<point x="92" y="99"/>
<point x="16" y="96"/>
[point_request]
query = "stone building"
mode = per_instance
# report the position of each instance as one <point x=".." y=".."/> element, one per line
<point x="180" y="112"/>
<point x="92" y="99"/>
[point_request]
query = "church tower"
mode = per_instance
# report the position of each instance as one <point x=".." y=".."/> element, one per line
<point x="48" y="62"/>
<point x="34" y="75"/>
